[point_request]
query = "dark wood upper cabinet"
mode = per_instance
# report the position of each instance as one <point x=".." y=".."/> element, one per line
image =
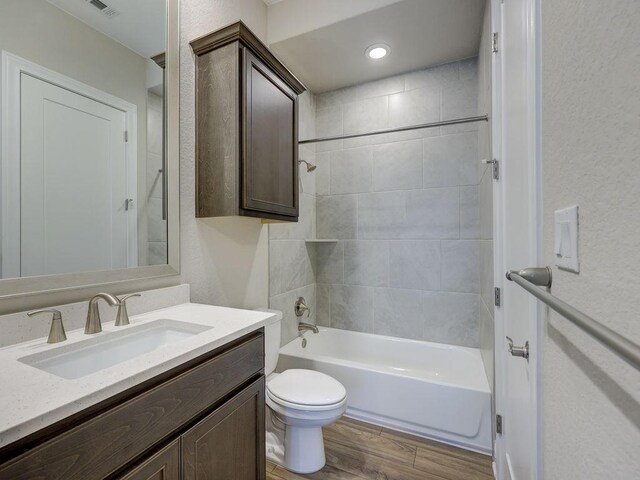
<point x="246" y="128"/>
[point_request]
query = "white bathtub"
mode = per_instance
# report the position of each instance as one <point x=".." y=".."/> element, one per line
<point x="428" y="389"/>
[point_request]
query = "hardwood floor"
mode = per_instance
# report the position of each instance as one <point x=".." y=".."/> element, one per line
<point x="357" y="450"/>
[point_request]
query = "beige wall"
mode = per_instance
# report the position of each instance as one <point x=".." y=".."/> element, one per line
<point x="41" y="33"/>
<point x="591" y="145"/>
<point x="225" y="260"/>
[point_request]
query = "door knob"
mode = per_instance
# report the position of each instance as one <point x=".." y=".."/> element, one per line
<point x="519" y="351"/>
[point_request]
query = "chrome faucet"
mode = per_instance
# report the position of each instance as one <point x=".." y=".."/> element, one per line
<point x="307" y="326"/>
<point x="93" y="324"/>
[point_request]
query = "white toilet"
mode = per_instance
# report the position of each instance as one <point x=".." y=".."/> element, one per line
<point x="299" y="404"/>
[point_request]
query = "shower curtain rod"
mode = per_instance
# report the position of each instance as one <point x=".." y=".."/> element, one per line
<point x="456" y="121"/>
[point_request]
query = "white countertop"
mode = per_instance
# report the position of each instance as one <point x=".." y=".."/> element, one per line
<point x="32" y="399"/>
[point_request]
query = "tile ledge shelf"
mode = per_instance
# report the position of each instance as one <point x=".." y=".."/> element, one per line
<point x="321" y="240"/>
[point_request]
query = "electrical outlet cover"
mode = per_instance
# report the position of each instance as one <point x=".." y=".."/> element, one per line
<point x="566" y="238"/>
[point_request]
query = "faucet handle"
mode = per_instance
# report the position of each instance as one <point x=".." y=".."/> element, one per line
<point x="122" y="317"/>
<point x="56" y="332"/>
<point x="301" y="307"/>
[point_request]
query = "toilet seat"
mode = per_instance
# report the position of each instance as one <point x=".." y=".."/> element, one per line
<point x="309" y="390"/>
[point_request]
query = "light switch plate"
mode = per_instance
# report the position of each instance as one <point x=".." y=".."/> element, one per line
<point x="566" y="238"/>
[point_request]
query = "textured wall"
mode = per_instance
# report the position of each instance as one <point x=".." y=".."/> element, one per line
<point x="404" y="207"/>
<point x="225" y="260"/>
<point x="486" y="200"/>
<point x="590" y="125"/>
<point x="291" y="260"/>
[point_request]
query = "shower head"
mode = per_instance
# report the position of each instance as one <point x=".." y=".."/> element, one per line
<point x="310" y="166"/>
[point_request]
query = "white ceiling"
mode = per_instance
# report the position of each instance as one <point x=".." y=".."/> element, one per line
<point x="421" y="33"/>
<point x="139" y="24"/>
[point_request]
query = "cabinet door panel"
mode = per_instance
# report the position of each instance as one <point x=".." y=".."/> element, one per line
<point x="164" y="465"/>
<point x="229" y="443"/>
<point x="270" y="159"/>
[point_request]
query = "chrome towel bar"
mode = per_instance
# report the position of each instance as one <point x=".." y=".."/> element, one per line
<point x="530" y="277"/>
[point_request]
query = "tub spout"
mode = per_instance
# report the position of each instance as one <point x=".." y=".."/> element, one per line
<point x="307" y="326"/>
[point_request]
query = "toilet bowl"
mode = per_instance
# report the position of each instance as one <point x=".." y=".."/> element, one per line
<point x="299" y="403"/>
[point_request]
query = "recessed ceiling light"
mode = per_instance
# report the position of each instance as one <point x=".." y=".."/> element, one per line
<point x="377" y="51"/>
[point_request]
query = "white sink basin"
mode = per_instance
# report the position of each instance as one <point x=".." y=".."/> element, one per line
<point x="110" y="348"/>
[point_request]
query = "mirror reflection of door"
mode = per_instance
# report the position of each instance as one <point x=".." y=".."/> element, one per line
<point x="74" y="195"/>
<point x="73" y="183"/>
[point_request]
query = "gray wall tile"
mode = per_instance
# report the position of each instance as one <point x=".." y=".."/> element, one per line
<point x="451" y="160"/>
<point x="414" y="264"/>
<point x="469" y="212"/>
<point x="366" y="263"/>
<point x="329" y="121"/>
<point x="157" y="253"/>
<point x="329" y="262"/>
<point x="323" y="173"/>
<point x="486" y="273"/>
<point x="352" y="308"/>
<point x="157" y="226"/>
<point x="336" y="216"/>
<point x="398" y="313"/>
<point x="323" y="304"/>
<point x="289" y="266"/>
<point x="451" y="318"/>
<point x="381" y="215"/>
<point x="414" y="107"/>
<point x="350" y="170"/>
<point x="397" y="166"/>
<point x="432" y="78"/>
<point x="459" y="100"/>
<point x="461" y="266"/>
<point x="335" y="97"/>
<point x="407" y="206"/>
<point x="378" y="88"/>
<point x="366" y="115"/>
<point x="433" y="213"/>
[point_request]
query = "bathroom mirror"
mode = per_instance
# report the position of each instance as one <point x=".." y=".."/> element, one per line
<point x="89" y="156"/>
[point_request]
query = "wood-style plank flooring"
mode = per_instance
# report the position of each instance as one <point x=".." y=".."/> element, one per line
<point x="357" y="450"/>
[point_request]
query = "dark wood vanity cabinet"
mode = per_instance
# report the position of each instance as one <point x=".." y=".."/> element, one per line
<point x="246" y="128"/>
<point x="229" y="443"/>
<point x="202" y="420"/>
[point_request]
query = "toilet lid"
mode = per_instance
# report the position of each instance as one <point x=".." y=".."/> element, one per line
<point x="306" y="387"/>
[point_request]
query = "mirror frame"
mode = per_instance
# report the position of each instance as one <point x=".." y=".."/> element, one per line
<point x="19" y="294"/>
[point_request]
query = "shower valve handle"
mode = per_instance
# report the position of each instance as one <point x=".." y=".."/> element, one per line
<point x="301" y="307"/>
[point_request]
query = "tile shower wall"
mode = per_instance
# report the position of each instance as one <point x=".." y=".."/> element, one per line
<point x="291" y="259"/>
<point x="156" y="226"/>
<point x="486" y="201"/>
<point x="403" y="208"/>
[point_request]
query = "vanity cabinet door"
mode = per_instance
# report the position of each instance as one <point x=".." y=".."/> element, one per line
<point x="164" y="465"/>
<point x="229" y="444"/>
<point x="270" y="141"/>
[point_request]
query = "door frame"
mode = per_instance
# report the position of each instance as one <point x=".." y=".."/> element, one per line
<point x="532" y="102"/>
<point x="13" y="67"/>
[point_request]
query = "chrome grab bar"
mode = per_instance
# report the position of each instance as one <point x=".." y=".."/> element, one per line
<point x="530" y="277"/>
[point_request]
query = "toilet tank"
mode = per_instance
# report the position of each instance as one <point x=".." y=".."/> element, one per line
<point x="271" y="342"/>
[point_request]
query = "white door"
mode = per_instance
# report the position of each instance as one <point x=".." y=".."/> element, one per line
<point x="73" y="182"/>
<point x="518" y="229"/>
